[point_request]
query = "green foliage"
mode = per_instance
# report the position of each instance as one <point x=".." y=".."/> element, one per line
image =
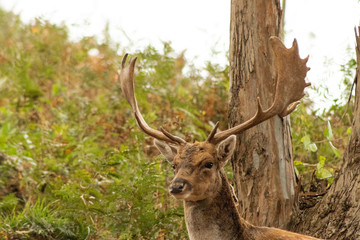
<point x="323" y="172"/>
<point x="40" y="220"/>
<point x="310" y="146"/>
<point x="73" y="163"/>
<point x="320" y="138"/>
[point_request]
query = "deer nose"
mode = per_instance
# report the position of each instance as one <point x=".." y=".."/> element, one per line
<point x="177" y="186"/>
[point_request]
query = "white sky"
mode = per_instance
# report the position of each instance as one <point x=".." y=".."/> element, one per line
<point x="324" y="28"/>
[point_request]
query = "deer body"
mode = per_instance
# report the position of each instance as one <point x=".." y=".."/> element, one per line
<point x="200" y="181"/>
<point x="218" y="219"/>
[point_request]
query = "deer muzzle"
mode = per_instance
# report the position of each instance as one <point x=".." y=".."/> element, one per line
<point x="178" y="186"/>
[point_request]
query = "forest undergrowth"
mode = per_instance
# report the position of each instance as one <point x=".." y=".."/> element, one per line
<point x="73" y="163"/>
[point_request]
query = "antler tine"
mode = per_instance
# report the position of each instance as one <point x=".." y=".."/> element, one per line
<point x="291" y="73"/>
<point x="172" y="137"/>
<point x="213" y="131"/>
<point x="127" y="86"/>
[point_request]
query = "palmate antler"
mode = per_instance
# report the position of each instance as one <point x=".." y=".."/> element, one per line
<point x="291" y="73"/>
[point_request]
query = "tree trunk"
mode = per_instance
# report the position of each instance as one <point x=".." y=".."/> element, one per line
<point x="262" y="164"/>
<point x="337" y="215"/>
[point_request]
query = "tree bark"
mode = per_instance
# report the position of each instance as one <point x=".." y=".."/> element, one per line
<point x="337" y="215"/>
<point x="262" y="164"/>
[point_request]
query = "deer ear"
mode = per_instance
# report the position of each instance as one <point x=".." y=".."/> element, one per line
<point x="226" y="149"/>
<point x="167" y="150"/>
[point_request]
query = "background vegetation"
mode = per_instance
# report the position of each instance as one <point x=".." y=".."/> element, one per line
<point x="73" y="163"/>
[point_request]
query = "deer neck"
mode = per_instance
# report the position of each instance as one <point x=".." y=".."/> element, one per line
<point x="215" y="218"/>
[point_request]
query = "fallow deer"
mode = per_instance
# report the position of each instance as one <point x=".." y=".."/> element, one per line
<point x="200" y="181"/>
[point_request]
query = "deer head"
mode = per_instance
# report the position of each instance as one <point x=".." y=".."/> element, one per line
<point x="198" y="165"/>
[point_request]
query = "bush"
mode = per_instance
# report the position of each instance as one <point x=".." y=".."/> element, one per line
<point x="75" y="165"/>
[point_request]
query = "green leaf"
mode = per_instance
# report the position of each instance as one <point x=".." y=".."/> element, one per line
<point x="299" y="167"/>
<point x="348" y="131"/>
<point x="308" y="144"/>
<point x="328" y="132"/>
<point x="306" y="140"/>
<point x="298" y="163"/>
<point x="322" y="160"/>
<point x="323" y="173"/>
<point x="335" y="150"/>
<point x="312" y="147"/>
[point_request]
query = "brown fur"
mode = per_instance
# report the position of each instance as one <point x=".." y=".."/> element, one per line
<point x="217" y="217"/>
<point x="189" y="165"/>
<point x="210" y="210"/>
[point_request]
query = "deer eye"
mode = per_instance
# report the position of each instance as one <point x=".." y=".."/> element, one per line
<point x="173" y="166"/>
<point x="209" y="165"/>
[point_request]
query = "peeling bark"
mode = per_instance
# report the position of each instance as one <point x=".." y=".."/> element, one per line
<point x="262" y="164"/>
